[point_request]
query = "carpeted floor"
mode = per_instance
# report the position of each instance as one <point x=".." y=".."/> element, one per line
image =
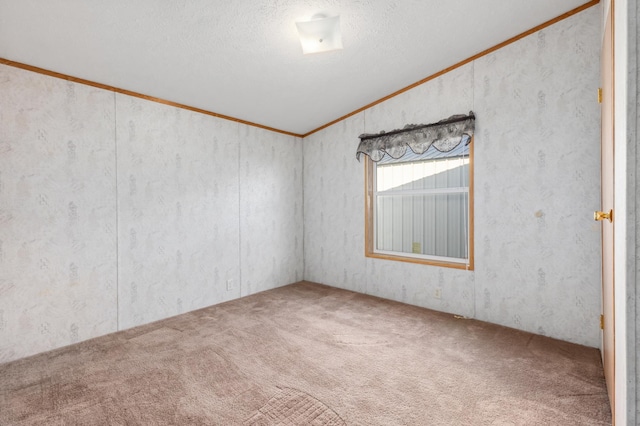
<point x="308" y="354"/>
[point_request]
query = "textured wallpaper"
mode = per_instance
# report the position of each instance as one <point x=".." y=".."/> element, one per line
<point x="537" y="182"/>
<point x="632" y="137"/>
<point x="116" y="212"/>
<point x="271" y="229"/>
<point x="57" y="213"/>
<point x="178" y="210"/>
<point x="540" y="273"/>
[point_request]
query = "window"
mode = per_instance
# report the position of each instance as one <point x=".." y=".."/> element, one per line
<point x="419" y="207"/>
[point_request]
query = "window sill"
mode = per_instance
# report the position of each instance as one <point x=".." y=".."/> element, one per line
<point x="466" y="265"/>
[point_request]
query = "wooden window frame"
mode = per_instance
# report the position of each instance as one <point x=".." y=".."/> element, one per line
<point x="369" y="251"/>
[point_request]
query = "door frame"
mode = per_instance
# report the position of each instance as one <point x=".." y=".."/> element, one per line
<point x="608" y="197"/>
<point x="622" y="263"/>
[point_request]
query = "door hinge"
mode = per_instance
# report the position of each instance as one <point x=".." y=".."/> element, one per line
<point x="599" y="95"/>
<point x="601" y="322"/>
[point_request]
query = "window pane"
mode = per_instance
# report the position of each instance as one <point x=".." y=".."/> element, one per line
<point x="435" y="173"/>
<point x="433" y="224"/>
<point x="421" y="205"/>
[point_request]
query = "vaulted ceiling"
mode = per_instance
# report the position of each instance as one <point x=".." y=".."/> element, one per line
<point x="242" y="58"/>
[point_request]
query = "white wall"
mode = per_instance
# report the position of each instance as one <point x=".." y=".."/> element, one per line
<point x="271" y="228"/>
<point x="58" y="264"/>
<point x="628" y="79"/>
<point x="178" y="210"/>
<point x="634" y="218"/>
<point x="117" y="211"/>
<point x="537" y="182"/>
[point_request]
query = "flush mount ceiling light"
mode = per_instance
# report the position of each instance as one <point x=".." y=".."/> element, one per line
<point x="320" y="34"/>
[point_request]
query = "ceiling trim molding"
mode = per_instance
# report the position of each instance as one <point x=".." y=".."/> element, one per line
<point x="459" y="64"/>
<point x="50" y="73"/>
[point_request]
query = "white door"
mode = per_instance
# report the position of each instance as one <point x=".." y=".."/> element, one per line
<point x="606" y="215"/>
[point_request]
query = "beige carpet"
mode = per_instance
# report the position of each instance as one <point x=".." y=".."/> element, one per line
<point x="307" y="354"/>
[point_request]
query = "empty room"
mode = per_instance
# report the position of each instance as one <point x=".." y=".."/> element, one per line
<point x="319" y="213"/>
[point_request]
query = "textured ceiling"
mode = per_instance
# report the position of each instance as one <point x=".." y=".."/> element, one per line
<point x="242" y="58"/>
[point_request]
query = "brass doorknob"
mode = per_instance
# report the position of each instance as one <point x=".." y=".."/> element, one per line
<point x="598" y="216"/>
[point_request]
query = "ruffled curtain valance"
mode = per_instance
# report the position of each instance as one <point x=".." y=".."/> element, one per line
<point x="444" y="135"/>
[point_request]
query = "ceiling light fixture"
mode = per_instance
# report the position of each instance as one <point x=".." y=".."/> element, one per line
<point x="320" y="34"/>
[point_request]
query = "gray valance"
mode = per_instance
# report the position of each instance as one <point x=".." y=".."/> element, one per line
<point x="444" y="135"/>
